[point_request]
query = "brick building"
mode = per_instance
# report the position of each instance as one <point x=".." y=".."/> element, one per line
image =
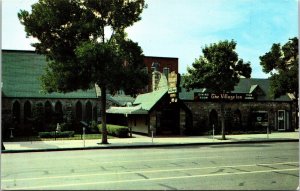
<point x="164" y="65"/>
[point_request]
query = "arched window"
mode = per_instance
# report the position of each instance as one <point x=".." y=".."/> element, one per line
<point x="16" y="112"/>
<point x="95" y="113"/>
<point x="27" y="111"/>
<point x="78" y="111"/>
<point x="58" y="107"/>
<point x="58" y="112"/>
<point x="88" y="111"/>
<point x="48" y="112"/>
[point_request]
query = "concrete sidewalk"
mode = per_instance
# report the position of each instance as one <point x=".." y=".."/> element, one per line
<point x="142" y="141"/>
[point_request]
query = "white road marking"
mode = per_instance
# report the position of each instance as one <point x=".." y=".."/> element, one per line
<point x="145" y="171"/>
<point x="151" y="179"/>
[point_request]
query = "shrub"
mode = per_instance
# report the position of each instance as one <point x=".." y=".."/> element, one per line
<point x="93" y="127"/>
<point x="115" y="130"/>
<point x="54" y="134"/>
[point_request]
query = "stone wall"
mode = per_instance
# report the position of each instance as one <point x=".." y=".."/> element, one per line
<point x="238" y="115"/>
<point x="90" y="108"/>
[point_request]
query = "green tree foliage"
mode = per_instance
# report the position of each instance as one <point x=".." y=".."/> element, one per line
<point x="282" y="63"/>
<point x="218" y="69"/>
<point x="80" y="52"/>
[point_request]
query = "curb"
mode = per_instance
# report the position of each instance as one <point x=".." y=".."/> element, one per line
<point x="145" y="146"/>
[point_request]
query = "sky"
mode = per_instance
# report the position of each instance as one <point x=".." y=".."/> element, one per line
<point x="181" y="28"/>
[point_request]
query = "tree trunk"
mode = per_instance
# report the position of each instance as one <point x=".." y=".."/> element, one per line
<point x="223" y="120"/>
<point x="103" y="116"/>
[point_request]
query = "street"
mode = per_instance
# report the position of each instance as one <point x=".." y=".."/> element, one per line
<point x="263" y="166"/>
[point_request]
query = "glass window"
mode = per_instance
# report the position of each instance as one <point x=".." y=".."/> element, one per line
<point x="78" y="111"/>
<point x="166" y="72"/>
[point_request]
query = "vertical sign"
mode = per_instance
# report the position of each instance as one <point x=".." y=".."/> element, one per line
<point x="172" y="82"/>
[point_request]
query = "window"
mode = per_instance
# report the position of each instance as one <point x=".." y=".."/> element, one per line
<point x="155" y="66"/>
<point x="260" y="118"/>
<point x="16" y="111"/>
<point x="88" y="111"/>
<point x="78" y="111"/>
<point x="152" y="69"/>
<point x="48" y="112"/>
<point x="166" y="71"/>
<point x="58" y="112"/>
<point x="27" y="111"/>
<point x="95" y="113"/>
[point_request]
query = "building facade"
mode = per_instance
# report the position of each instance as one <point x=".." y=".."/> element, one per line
<point x="249" y="108"/>
<point x="165" y="108"/>
<point x="22" y="93"/>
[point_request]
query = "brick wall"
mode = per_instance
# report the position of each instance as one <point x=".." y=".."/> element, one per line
<point x="171" y="63"/>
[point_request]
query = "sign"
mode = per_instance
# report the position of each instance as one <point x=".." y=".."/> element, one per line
<point x="224" y="97"/>
<point x="172" y="82"/>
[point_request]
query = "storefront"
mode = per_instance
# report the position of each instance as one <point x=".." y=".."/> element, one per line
<point x="249" y="108"/>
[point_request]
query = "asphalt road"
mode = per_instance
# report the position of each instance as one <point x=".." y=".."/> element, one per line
<point x="237" y="166"/>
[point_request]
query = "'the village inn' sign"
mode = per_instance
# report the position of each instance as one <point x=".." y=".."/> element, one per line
<point x="224" y="96"/>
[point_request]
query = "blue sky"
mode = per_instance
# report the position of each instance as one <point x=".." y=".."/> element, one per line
<point x="181" y="28"/>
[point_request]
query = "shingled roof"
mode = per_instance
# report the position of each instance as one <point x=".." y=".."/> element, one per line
<point x="260" y="87"/>
<point x="144" y="102"/>
<point x="21" y="71"/>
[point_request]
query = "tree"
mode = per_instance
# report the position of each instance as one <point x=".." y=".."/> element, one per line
<point x="281" y="62"/>
<point x="80" y="52"/>
<point x="219" y="70"/>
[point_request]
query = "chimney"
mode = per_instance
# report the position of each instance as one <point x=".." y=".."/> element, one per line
<point x="155" y="80"/>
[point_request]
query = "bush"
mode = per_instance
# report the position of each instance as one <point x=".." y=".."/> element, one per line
<point x="54" y="134"/>
<point x="115" y="130"/>
<point x="93" y="127"/>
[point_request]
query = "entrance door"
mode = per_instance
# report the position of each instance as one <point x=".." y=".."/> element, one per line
<point x="281" y="120"/>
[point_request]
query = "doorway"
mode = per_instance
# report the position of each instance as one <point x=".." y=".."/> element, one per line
<point x="281" y="120"/>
